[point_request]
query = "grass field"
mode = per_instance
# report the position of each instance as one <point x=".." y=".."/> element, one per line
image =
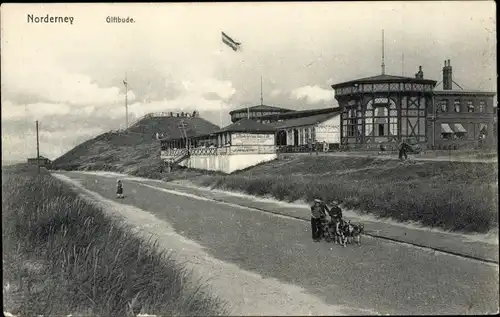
<point x="63" y="255"/>
<point x="450" y="195"/>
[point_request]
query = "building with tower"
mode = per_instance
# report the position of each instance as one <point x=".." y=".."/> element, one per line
<point x="384" y="109"/>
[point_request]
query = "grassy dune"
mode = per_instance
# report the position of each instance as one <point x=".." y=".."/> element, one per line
<point x="63" y="255"/>
<point x="450" y="195"/>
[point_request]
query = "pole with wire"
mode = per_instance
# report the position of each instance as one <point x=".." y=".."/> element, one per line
<point x="126" y="101"/>
<point x="37" y="149"/>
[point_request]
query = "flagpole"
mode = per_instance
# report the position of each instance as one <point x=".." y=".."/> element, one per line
<point x="261" y="96"/>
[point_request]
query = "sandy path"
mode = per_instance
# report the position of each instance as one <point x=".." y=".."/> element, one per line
<point x="247" y="293"/>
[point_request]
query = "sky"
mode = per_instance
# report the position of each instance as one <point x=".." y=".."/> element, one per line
<point x="69" y="77"/>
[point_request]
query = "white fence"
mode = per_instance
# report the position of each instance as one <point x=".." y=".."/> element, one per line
<point x="213" y="151"/>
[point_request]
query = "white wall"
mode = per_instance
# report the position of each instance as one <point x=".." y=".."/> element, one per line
<point x="226" y="163"/>
<point x="329" y="130"/>
<point x="252" y="138"/>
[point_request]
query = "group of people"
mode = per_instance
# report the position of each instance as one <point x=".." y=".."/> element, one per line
<point x="319" y="211"/>
<point x="317" y="147"/>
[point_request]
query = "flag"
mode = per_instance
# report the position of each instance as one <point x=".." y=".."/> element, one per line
<point x="230" y="42"/>
<point x="124" y="82"/>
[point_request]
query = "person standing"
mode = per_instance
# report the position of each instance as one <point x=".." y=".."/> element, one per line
<point x="119" y="189"/>
<point x="318" y="216"/>
<point x="403" y="150"/>
<point x="336" y="218"/>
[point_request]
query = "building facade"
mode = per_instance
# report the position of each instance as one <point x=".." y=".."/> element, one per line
<point x="383" y="110"/>
<point x="462" y="118"/>
<point x="238" y="146"/>
<point x="296" y="130"/>
<point x="255" y="112"/>
<point x="42" y="161"/>
<point x="319" y="128"/>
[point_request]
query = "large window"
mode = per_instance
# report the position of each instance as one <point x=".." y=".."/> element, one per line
<point x="456" y="105"/>
<point x="482" y="106"/>
<point x="444" y="106"/>
<point x="351" y="123"/>
<point x="381" y="120"/>
<point x="483" y="130"/>
<point x="470" y="106"/>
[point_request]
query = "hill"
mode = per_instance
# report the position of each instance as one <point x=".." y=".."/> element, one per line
<point x="132" y="149"/>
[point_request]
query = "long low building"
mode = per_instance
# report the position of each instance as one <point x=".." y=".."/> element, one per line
<point x="295" y="130"/>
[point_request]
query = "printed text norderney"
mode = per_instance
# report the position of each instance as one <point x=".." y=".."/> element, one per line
<point x="49" y="19"/>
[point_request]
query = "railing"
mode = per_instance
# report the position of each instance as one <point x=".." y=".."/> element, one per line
<point x="163" y="114"/>
<point x="207" y="151"/>
<point x="306" y="148"/>
<point x="170" y="154"/>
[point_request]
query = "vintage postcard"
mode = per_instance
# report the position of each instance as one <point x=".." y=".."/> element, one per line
<point x="286" y="158"/>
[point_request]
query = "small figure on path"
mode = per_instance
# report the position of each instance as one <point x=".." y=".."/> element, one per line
<point x="119" y="189"/>
<point x="403" y="150"/>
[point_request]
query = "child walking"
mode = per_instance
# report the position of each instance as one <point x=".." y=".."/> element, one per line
<point x="119" y="189"/>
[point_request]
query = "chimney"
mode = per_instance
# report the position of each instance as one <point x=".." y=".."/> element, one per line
<point x="420" y="74"/>
<point x="447" y="76"/>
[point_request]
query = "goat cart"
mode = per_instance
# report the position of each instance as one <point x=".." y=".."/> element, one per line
<point x="342" y="232"/>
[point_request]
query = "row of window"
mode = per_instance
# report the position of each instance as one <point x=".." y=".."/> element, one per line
<point x="252" y="114"/>
<point x="457" y="106"/>
<point x="472" y="131"/>
<point x="396" y="87"/>
<point x="409" y="126"/>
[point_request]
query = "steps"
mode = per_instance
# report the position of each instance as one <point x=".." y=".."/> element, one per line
<point x="179" y="158"/>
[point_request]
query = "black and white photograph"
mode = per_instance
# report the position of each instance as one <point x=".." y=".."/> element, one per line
<point x="331" y="158"/>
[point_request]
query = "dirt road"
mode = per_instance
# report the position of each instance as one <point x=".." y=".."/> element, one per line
<point x="267" y="264"/>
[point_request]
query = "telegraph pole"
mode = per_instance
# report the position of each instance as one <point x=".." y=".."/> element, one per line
<point x="126" y="101"/>
<point x="37" y="149"/>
